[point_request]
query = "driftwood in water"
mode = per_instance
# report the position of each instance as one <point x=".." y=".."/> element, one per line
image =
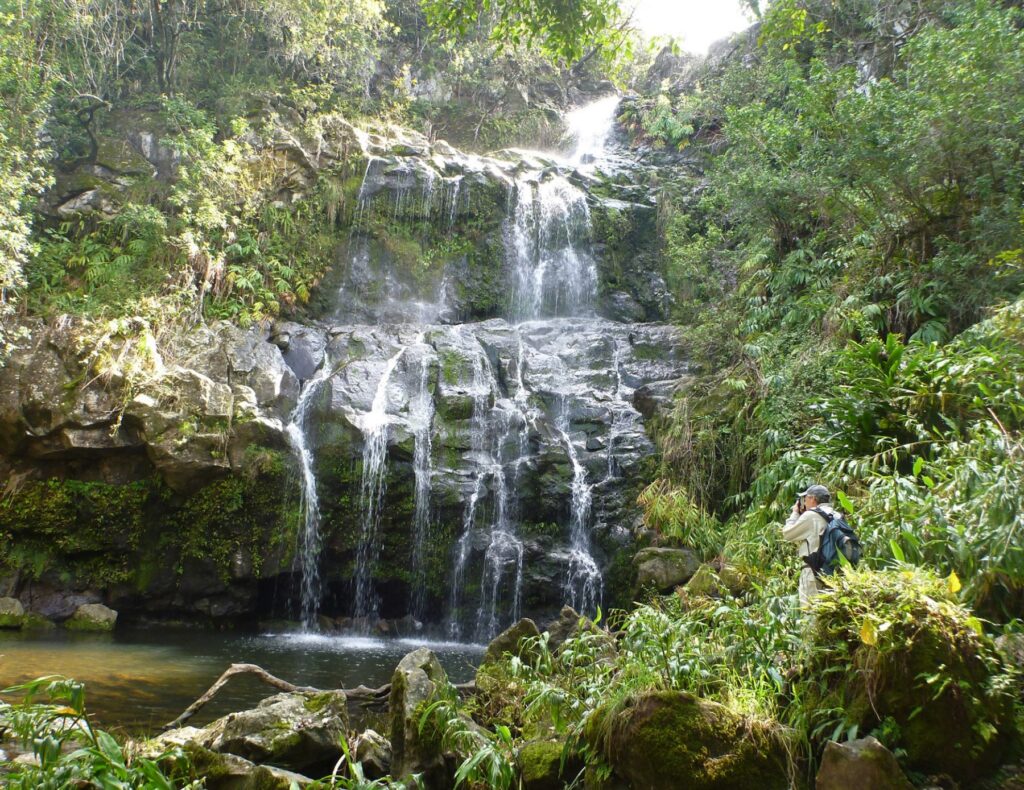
<point x="359" y="693"/>
<point x="368" y="696"/>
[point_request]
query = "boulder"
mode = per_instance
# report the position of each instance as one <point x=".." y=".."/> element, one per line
<point x="1011" y="648"/>
<point x="860" y="764"/>
<point x="12" y="613"/>
<point x="570" y="624"/>
<point x="92" y="617"/>
<point x="512" y="640"/>
<point x="705" y="583"/>
<point x="663" y="569"/>
<point x="299" y="731"/>
<point x="417" y="680"/>
<point x="373" y="750"/>
<point x="224" y="771"/>
<point x="564" y="627"/>
<point x="671" y="739"/>
<point x="540" y="765"/>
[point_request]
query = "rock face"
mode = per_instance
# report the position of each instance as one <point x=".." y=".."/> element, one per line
<point x="670" y="739"/>
<point x="296" y="731"/>
<point x="663" y="569"/>
<point x="92" y="617"/>
<point x="489" y="333"/>
<point x="859" y="764"/>
<point x="416" y="682"/>
<point x="12" y="613"/>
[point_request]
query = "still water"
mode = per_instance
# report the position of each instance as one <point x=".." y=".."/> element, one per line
<point x="141" y="679"/>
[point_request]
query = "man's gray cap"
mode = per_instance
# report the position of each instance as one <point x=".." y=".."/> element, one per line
<point x="818" y="492"/>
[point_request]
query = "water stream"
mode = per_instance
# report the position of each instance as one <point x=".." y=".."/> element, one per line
<point x="309" y="537"/>
<point x="374" y="426"/>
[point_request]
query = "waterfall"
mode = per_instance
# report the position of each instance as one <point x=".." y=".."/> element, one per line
<point x="421" y="415"/>
<point x="482" y="390"/>
<point x="374" y="426"/>
<point x="504" y="548"/>
<point x="548" y="243"/>
<point x="494" y="408"/>
<point x="583" y="582"/>
<point x="616" y="410"/>
<point x="309" y="539"/>
<point x="590" y="127"/>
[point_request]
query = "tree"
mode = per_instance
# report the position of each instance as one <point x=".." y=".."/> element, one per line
<point x="567" y="29"/>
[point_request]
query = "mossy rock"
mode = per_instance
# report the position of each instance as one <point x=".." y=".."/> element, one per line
<point x="705" y="583"/>
<point x="540" y="765"/>
<point x="513" y="640"/>
<point x="92" y="617"/>
<point x="930" y="671"/>
<point x="12" y="613"/>
<point x="669" y="739"/>
<point x="36" y="622"/>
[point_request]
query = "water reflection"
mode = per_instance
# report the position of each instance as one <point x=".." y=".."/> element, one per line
<point x="141" y="679"/>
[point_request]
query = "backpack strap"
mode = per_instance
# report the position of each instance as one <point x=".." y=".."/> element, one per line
<point x="825" y="515"/>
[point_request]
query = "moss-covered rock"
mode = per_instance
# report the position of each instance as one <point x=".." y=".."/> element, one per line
<point x="662" y="569"/>
<point x="541" y="767"/>
<point x="895" y="648"/>
<point x="92" y="617"/>
<point x="12" y="613"/>
<point x="296" y="731"/>
<point x="669" y="739"/>
<point x="418" y="680"/>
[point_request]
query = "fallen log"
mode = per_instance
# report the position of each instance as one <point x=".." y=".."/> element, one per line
<point x="370" y="696"/>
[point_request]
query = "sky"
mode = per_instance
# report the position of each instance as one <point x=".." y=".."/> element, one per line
<point x="698" y="23"/>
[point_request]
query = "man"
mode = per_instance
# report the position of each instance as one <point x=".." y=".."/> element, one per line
<point x="805" y="528"/>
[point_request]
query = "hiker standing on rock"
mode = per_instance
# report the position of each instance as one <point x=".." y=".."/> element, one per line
<point x="805" y="526"/>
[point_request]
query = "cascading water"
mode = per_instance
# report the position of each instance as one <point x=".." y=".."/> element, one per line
<point x="374" y="425"/>
<point x="583" y="582"/>
<point x="481" y="392"/>
<point x="309" y="538"/>
<point x="496" y="411"/>
<point x="548" y="243"/>
<point x="421" y="414"/>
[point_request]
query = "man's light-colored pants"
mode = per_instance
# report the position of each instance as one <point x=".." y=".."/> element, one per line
<point x="808" y="586"/>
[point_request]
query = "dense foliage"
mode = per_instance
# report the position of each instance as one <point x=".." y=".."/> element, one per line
<point x="863" y="209"/>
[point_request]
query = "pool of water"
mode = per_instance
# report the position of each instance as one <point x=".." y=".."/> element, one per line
<point x="141" y="679"/>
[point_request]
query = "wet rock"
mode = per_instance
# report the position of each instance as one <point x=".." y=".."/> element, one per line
<point x="417" y="680"/>
<point x="12" y="613"/>
<point x="860" y="764"/>
<point x="671" y="739"/>
<point x="92" y="617"/>
<point x="373" y="750"/>
<point x="663" y="569"/>
<point x="297" y="731"/>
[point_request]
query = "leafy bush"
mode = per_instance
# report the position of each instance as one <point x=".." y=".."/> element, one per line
<point x="71" y="752"/>
<point x="894" y="652"/>
<point x="673" y="515"/>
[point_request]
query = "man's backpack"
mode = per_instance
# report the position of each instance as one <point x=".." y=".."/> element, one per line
<point x="838" y="538"/>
